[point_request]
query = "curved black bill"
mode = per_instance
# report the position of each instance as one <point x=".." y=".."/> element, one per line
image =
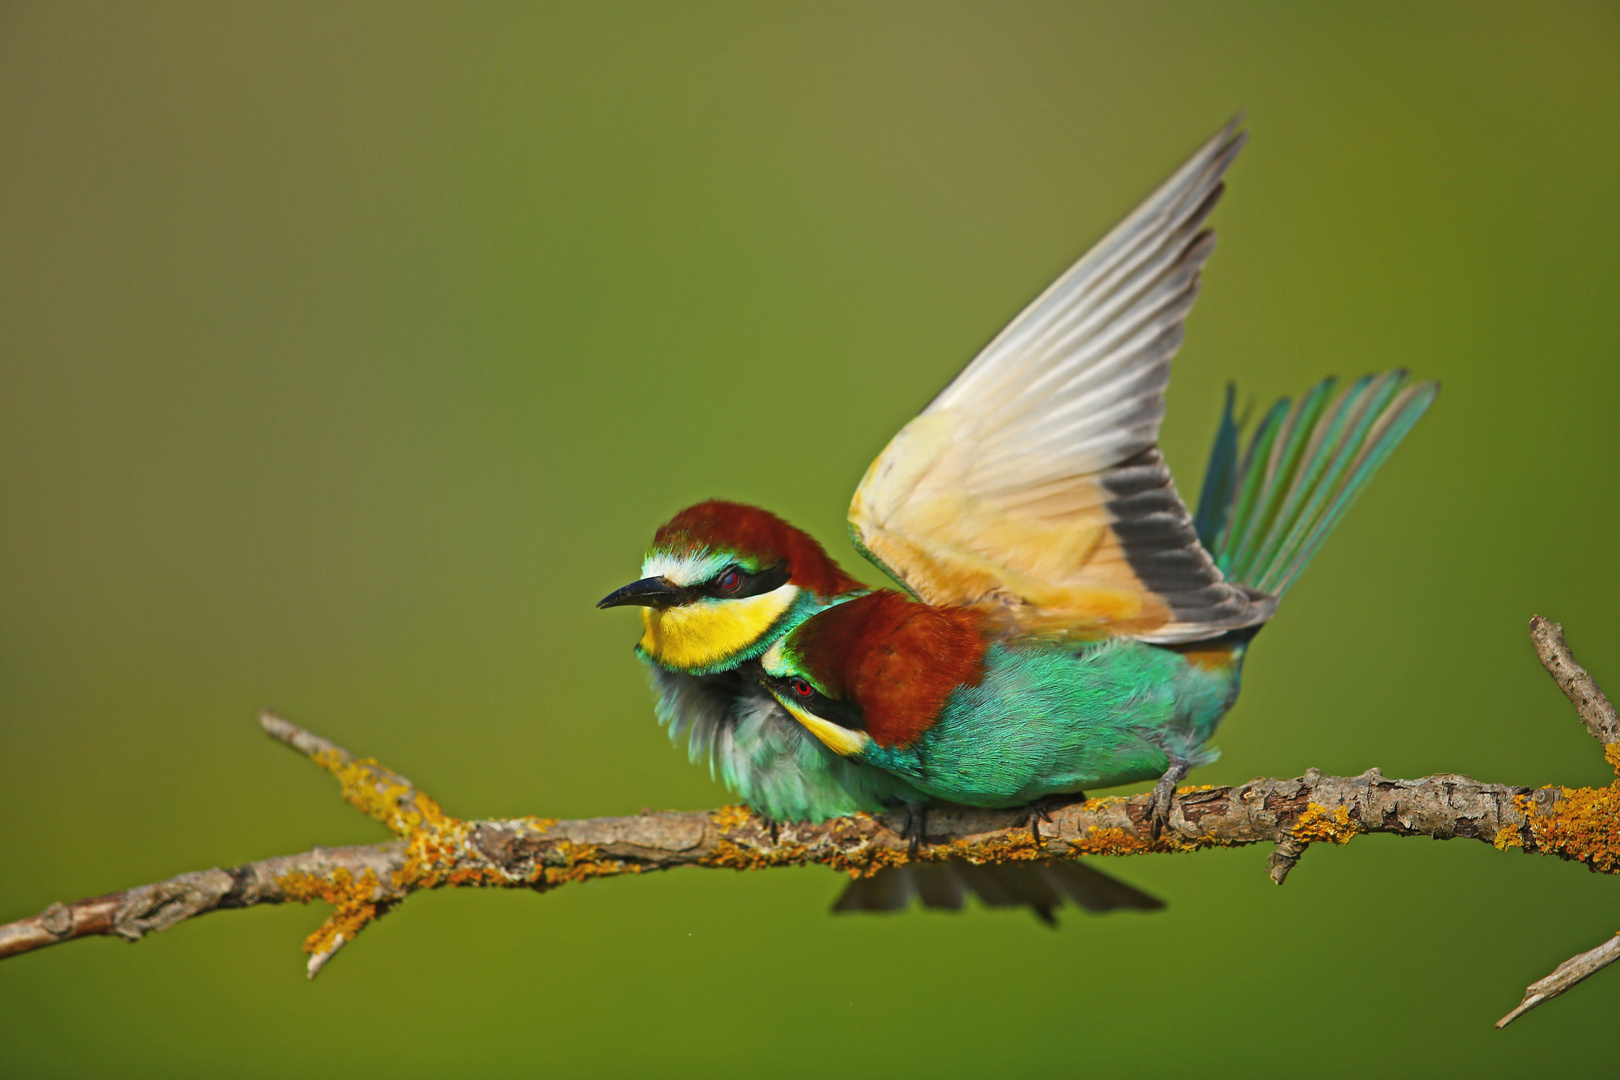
<point x="648" y="592"/>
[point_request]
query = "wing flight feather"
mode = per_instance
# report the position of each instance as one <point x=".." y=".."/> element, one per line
<point x="1032" y="484"/>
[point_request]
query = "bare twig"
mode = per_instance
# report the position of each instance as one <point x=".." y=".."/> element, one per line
<point x="1566" y="975"/>
<point x="1594" y="708"/>
<point x="434" y="849"/>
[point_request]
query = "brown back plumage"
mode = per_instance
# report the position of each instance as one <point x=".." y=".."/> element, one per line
<point x="893" y="658"/>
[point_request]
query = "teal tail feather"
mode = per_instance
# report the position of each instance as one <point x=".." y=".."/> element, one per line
<point x="1264" y="513"/>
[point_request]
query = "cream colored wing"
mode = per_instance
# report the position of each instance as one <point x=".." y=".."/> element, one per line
<point x="1032" y="484"/>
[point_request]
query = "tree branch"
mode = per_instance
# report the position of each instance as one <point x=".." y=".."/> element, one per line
<point x="1590" y="702"/>
<point x="434" y="849"/>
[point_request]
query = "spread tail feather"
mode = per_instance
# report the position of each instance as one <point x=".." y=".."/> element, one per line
<point x="1263" y="515"/>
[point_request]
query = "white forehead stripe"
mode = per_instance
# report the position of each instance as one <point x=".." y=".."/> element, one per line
<point x="685" y="570"/>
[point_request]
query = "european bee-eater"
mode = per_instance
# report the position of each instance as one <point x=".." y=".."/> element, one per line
<point x="1039" y="661"/>
<point x="721" y="583"/>
<point x="1030" y="489"/>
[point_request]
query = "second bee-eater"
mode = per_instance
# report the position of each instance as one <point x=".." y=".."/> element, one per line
<point x="1010" y="686"/>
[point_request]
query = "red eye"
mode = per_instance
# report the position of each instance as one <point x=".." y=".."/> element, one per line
<point x="730" y="581"/>
<point x="802" y="688"/>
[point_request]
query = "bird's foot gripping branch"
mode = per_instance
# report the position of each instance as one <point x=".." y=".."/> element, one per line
<point x="433" y="849"/>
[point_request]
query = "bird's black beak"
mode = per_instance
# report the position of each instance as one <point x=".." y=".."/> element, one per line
<point x="654" y="592"/>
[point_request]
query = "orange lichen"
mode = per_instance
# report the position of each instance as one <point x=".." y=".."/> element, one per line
<point x="584" y="871"/>
<point x="434" y="852"/>
<point x="1584" y="825"/>
<point x="353" y="903"/>
<point x="380" y="793"/>
<point x="580" y="861"/>
<point x="730" y="856"/>
<point x="1507" y="836"/>
<point x="1108" y="840"/>
<point x="475" y="876"/>
<point x="438" y="847"/>
<point x="1318" y="825"/>
<point x="1013" y="847"/>
<point x="1099" y="840"/>
<point x="863" y="862"/>
<point x="730" y="817"/>
<point x="1611" y="754"/>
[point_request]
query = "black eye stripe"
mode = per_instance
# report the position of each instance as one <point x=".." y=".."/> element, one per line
<point x="834" y="711"/>
<point x="768" y="580"/>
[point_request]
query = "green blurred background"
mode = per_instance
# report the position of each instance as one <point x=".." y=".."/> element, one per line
<point x="352" y="352"/>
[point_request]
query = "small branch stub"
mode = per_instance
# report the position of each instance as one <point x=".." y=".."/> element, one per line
<point x="1284" y="857"/>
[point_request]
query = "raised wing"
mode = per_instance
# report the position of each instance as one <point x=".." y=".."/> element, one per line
<point x="1032" y="484"/>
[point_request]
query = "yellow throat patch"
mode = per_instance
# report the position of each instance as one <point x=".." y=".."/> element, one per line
<point x="840" y="740"/>
<point x="700" y="634"/>
<point x="837" y="738"/>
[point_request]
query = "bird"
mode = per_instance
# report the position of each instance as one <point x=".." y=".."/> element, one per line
<point x="723" y="584"/>
<point x="1010" y="671"/>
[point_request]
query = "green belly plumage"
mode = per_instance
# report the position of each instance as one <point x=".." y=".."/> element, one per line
<point x="1047" y="719"/>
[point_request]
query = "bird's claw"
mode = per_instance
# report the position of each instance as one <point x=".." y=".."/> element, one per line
<point x="1039" y="810"/>
<point x="916" y="824"/>
<point x="1159" y="807"/>
<point x="1164" y="794"/>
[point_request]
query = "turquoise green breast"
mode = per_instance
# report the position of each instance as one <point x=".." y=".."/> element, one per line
<point x="1048" y="719"/>
<point x="756" y="749"/>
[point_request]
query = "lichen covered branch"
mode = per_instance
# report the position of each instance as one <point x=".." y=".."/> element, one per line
<point x="436" y="849"/>
<point x="137" y="912"/>
<point x="433" y="849"/>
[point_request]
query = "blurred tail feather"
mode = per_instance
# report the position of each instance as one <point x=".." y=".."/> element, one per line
<point x="1040" y="886"/>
